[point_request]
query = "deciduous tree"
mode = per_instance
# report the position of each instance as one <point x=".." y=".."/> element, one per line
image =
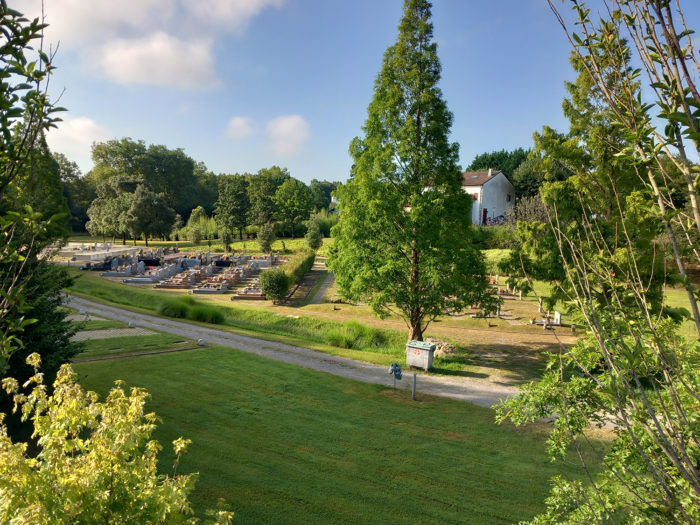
<point x="506" y="161"/>
<point x="149" y="214"/>
<point x="321" y="191"/>
<point x="635" y="370"/>
<point x="232" y="206"/>
<point x="294" y="202"/>
<point x="403" y="238"/>
<point x="262" y="188"/>
<point x="25" y="113"/>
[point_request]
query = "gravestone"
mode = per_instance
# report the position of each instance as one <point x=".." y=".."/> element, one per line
<point x="557" y="318"/>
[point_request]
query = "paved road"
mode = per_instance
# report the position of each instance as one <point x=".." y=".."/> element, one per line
<point x="479" y="392"/>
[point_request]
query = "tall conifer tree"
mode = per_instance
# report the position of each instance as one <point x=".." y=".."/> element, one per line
<point x="403" y="239"/>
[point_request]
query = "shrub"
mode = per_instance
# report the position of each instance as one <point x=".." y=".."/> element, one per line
<point x="274" y="284"/>
<point x="298" y="265"/>
<point x="326" y="220"/>
<point x="175" y="307"/>
<point x="206" y="314"/>
<point x="97" y="462"/>
<point x="313" y="235"/>
<point x="495" y="237"/>
<point x="340" y="338"/>
<point x="357" y="336"/>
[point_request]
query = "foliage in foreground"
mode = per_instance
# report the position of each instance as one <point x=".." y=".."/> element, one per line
<point x="97" y="461"/>
<point x="629" y="207"/>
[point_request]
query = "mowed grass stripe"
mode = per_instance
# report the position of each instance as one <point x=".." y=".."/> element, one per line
<point x="133" y="344"/>
<point x="283" y="444"/>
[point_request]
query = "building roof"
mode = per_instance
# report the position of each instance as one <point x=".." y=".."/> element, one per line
<point x="478" y="178"/>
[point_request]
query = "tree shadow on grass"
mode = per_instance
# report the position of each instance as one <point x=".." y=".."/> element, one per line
<point x="512" y="364"/>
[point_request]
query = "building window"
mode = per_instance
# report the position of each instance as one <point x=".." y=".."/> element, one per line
<point x="508" y="198"/>
<point x="476" y="196"/>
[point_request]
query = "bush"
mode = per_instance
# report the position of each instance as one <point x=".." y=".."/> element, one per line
<point x="185" y="307"/>
<point x="313" y="235"/>
<point x="178" y="308"/>
<point x="493" y="260"/>
<point x="206" y="314"/>
<point x="298" y="265"/>
<point x="495" y="237"/>
<point x="357" y="336"/>
<point x="274" y="284"/>
<point x="326" y="221"/>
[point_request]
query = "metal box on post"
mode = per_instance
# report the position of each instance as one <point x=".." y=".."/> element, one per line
<point x="420" y="354"/>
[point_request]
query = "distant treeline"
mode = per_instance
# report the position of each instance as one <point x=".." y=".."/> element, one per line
<point x="140" y="191"/>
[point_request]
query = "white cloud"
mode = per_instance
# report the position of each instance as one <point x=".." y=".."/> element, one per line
<point x="158" y="59"/>
<point x="78" y="22"/>
<point x="74" y="137"/>
<point x="240" y="128"/>
<point x="288" y="134"/>
<point x="229" y="15"/>
<point x="108" y="32"/>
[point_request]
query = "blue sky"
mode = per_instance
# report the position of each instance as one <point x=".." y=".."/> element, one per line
<point x="246" y="84"/>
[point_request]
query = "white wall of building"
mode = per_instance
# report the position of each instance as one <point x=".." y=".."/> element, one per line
<point x="495" y="198"/>
<point x="476" y="204"/>
<point x="492" y="196"/>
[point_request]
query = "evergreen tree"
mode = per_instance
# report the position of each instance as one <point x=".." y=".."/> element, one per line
<point x="403" y="238"/>
<point x="266" y="236"/>
<point x="313" y="235"/>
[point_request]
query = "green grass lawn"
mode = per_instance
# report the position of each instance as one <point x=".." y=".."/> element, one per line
<point x="132" y="344"/>
<point x="283" y="444"/>
<point x="99" y="324"/>
<point x="346" y="339"/>
<point x="366" y="340"/>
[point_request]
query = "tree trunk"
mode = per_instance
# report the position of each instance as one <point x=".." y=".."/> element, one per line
<point x="416" y="333"/>
<point x="146" y="237"/>
<point x="292" y="229"/>
<point x="123" y="239"/>
<point x="240" y="234"/>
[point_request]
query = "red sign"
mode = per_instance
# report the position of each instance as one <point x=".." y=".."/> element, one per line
<point x="416" y="352"/>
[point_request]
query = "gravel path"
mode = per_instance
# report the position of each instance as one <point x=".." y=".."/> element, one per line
<point x="479" y="392"/>
<point x="321" y="293"/>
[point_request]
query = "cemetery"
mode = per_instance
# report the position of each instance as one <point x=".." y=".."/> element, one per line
<point x="168" y="268"/>
<point x="446" y="332"/>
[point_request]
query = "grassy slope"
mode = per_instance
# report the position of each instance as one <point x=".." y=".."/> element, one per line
<point x="283" y="444"/>
<point x="255" y="321"/>
<point x="335" y="332"/>
<point x="132" y="344"/>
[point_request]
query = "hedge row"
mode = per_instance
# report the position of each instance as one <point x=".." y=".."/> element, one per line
<point x="275" y="283"/>
<point x="300" y="263"/>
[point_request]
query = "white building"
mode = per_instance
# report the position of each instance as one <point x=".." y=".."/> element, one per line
<point x="492" y="192"/>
